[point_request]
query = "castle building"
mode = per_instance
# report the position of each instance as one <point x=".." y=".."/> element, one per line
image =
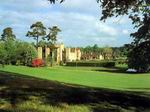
<point x="73" y="54"/>
<point x="59" y="53"/>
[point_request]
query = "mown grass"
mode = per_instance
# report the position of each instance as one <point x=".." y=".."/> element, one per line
<point x="32" y="90"/>
<point x="93" y="77"/>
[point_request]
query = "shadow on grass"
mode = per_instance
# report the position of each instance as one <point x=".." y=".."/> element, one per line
<point x="15" y="89"/>
<point x="115" y="70"/>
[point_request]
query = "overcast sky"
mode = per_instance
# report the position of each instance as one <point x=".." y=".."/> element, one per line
<point x="79" y="21"/>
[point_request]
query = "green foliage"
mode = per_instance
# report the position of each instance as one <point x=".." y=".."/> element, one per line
<point x="42" y="43"/>
<point x="116" y="53"/>
<point x="7" y="34"/>
<point x="95" y="49"/>
<point x="52" y="35"/>
<point x="3" y="54"/>
<point x="38" y="30"/>
<point x="139" y="57"/>
<point x="122" y="61"/>
<point x="16" y="52"/>
<point x="125" y="49"/>
<point x="25" y="52"/>
<point x="92" y="64"/>
<point x="10" y="47"/>
<point x="108" y="53"/>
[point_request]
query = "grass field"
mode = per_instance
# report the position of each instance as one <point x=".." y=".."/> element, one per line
<point x="73" y="89"/>
<point x="93" y="77"/>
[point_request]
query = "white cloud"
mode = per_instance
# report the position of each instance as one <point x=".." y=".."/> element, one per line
<point x="125" y="31"/>
<point x="106" y="29"/>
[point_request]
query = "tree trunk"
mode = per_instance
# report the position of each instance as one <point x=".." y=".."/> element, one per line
<point x="37" y="41"/>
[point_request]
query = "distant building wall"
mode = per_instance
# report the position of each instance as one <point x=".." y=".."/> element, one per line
<point x="73" y="54"/>
<point x="47" y="52"/>
<point x="61" y="53"/>
<point x="39" y="50"/>
<point x="78" y="54"/>
<point x="101" y="57"/>
<point x="60" y="49"/>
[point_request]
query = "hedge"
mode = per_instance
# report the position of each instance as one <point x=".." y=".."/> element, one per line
<point x="92" y="64"/>
<point x="121" y="61"/>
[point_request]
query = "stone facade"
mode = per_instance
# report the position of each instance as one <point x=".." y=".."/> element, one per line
<point x="92" y="56"/>
<point x="73" y="54"/>
<point x="39" y="52"/>
<point x="46" y="52"/>
<point x="60" y="49"/>
<point x="60" y="53"/>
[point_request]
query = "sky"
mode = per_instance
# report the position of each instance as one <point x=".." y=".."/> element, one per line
<point x="79" y="21"/>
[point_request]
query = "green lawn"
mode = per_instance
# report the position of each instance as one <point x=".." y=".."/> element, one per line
<point x="92" y="77"/>
<point x="22" y="89"/>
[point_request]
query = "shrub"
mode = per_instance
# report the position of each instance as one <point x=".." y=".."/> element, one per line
<point x="37" y="62"/>
<point x="121" y="61"/>
<point x="25" y="52"/>
<point x="17" y="52"/>
<point x="92" y="64"/>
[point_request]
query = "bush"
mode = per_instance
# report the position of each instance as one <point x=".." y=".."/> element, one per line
<point x="25" y="52"/>
<point x="121" y="61"/>
<point x="92" y="64"/>
<point x="17" y="52"/>
<point x="37" y="62"/>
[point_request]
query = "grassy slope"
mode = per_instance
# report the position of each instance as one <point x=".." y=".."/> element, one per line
<point x="87" y="77"/>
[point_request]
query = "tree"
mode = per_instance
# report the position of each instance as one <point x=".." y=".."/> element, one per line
<point x="25" y="52"/>
<point x="52" y="38"/>
<point x="142" y="60"/>
<point x="3" y="54"/>
<point x="38" y="30"/>
<point x="107" y="53"/>
<point x="42" y="43"/>
<point x="116" y="53"/>
<point x="52" y="35"/>
<point x="10" y="47"/>
<point x="7" y="34"/>
<point x="96" y="49"/>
